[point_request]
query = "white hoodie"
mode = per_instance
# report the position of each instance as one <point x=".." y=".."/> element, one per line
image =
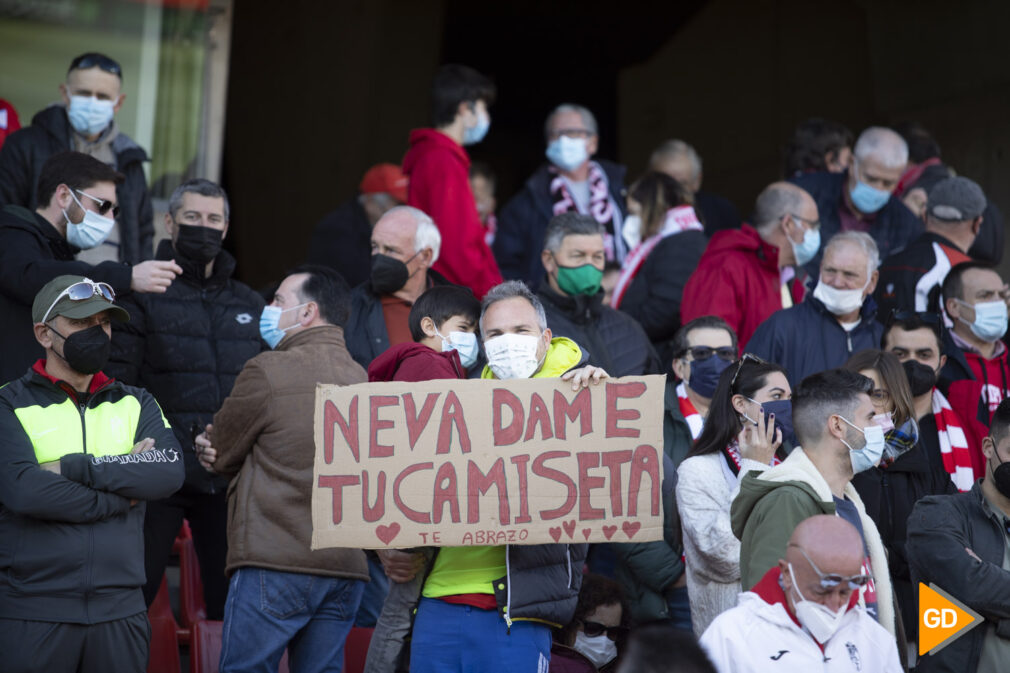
<point x="760" y="637"/>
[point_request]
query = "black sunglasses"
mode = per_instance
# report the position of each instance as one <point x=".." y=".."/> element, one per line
<point x="902" y="315"/>
<point x="739" y="365"/>
<point x="594" y="629"/>
<point x="92" y="60"/>
<point x="727" y="353"/>
<point x="103" y="205"/>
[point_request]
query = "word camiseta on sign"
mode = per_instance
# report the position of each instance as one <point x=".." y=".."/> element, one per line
<point x="459" y="463"/>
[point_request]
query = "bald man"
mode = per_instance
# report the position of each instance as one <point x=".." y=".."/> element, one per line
<point x="861" y="198"/>
<point x="747" y="274"/>
<point x="804" y="615"/>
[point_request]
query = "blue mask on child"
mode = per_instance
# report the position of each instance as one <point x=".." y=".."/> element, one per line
<point x="464" y="343"/>
<point x="476" y="133"/>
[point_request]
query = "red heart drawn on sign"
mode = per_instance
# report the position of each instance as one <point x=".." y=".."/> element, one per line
<point x="630" y="528"/>
<point x="387" y="533"/>
<point x="608" y="531"/>
<point x="569" y="527"/>
<point x="586" y="532"/>
<point x="555" y="533"/>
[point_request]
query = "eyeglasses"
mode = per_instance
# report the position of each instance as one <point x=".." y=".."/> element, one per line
<point x="727" y="353"/>
<point x="739" y="365"/>
<point x="813" y="224"/>
<point x="880" y="396"/>
<point x="85" y="289"/>
<point x="92" y="60"/>
<point x="572" y="133"/>
<point x="594" y="629"/>
<point x="832" y="580"/>
<point x="104" y="206"/>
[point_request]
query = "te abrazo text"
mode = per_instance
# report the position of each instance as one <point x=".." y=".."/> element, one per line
<point x="456" y="463"/>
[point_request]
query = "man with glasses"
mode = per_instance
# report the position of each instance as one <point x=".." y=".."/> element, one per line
<point x="79" y="454"/>
<point x="747" y="274"/>
<point x="85" y="122"/>
<point x="912" y="279"/>
<point x="78" y="204"/>
<point x="833" y="419"/>
<point x="836" y="320"/>
<point x="861" y="198"/>
<point x="804" y="614"/>
<point x="571" y="181"/>
<point x="962" y="544"/>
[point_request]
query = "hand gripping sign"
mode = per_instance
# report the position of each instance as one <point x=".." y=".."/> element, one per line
<point x="459" y="463"/>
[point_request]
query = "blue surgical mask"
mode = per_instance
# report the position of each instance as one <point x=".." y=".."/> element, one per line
<point x="567" y="153"/>
<point x="464" y="343"/>
<point x="269" y="320"/>
<point x="705" y="375"/>
<point x="88" y="115"/>
<point x="474" y="134"/>
<point x="807" y="250"/>
<point x="867" y="456"/>
<point x="990" y="320"/>
<point x="865" y="198"/>
<point x="91" y="230"/>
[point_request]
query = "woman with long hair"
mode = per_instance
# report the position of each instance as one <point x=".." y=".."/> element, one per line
<point x="750" y="415"/>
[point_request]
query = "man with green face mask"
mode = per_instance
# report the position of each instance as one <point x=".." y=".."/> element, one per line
<point x="573" y="258"/>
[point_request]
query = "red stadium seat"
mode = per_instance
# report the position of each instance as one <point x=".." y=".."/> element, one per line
<point x="192" y="608"/>
<point x="164" y="650"/>
<point x="356" y="648"/>
<point x="205" y="648"/>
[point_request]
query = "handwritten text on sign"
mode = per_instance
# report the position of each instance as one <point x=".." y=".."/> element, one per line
<point x="454" y="463"/>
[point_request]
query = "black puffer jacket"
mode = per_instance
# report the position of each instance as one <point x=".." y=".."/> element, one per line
<point x="32" y="253"/>
<point x="544" y="580"/>
<point x="187" y="346"/>
<point x="613" y="339"/>
<point x="25" y="151"/>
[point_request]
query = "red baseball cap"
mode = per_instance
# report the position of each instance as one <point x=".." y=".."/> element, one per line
<point x="385" y="178"/>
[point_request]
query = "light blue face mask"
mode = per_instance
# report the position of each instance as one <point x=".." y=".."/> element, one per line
<point x="88" y="115"/>
<point x="269" y="320"/>
<point x="567" y="153"/>
<point x="865" y="198"/>
<point x="476" y="133"/>
<point x="464" y="343"/>
<point x="807" y="250"/>
<point x="990" y="320"/>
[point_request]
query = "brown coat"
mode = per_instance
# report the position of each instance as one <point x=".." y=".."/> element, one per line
<point x="264" y="438"/>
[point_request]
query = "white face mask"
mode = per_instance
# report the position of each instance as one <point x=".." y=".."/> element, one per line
<point x="90" y="231"/>
<point x="600" y="650"/>
<point x="631" y="231"/>
<point x="513" y="356"/>
<point x="817" y="619"/>
<point x="464" y="343"/>
<point x="567" y="153"/>
<point x="838" y="301"/>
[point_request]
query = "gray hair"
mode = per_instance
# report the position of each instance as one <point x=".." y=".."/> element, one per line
<point x="775" y="201"/>
<point x="671" y="150"/>
<point x="864" y="241"/>
<point x="569" y="224"/>
<point x="426" y="235"/>
<point x="587" y="118"/>
<point x="884" y="145"/>
<point x="197" y="186"/>
<point x="512" y="289"/>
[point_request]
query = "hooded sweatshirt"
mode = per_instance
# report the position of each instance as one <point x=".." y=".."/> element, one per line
<point x="771" y="504"/>
<point x="439" y="172"/>
<point x="415" y="362"/>
<point x="762" y="634"/>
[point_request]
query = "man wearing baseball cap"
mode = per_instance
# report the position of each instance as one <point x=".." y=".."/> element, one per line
<point x="912" y="278"/>
<point x="342" y="239"/>
<point x="79" y="455"/>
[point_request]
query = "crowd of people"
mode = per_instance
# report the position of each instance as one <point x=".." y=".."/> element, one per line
<point x="835" y="420"/>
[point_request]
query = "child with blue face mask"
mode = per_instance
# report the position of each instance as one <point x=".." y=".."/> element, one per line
<point x="443" y="323"/>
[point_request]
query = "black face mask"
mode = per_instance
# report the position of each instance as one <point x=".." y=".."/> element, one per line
<point x="921" y="378"/>
<point x="200" y="244"/>
<point x="86" y="351"/>
<point x="388" y="274"/>
<point x="1001" y="475"/>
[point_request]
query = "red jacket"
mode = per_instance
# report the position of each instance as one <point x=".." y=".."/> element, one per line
<point x="976" y="401"/>
<point x="737" y="279"/>
<point x="415" y="362"/>
<point x="439" y="171"/>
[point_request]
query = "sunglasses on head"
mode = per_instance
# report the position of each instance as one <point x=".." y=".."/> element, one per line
<point x="85" y="289"/>
<point x="87" y="61"/>
<point x="832" y="580"/>
<point x="739" y="365"/>
<point x="594" y="629"/>
<point x="928" y="317"/>
<point x="705" y="352"/>
<point x="104" y="205"/>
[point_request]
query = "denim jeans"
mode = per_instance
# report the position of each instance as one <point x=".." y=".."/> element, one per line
<point x="375" y="593"/>
<point x="452" y="638"/>
<point x="268" y="611"/>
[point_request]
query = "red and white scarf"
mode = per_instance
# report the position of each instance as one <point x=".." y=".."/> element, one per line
<point x="694" y="420"/>
<point x="678" y="220"/>
<point x="600" y="207"/>
<point x="736" y="460"/>
<point x="953" y="443"/>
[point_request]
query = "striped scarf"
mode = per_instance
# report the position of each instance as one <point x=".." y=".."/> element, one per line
<point x="953" y="443"/>
<point x="690" y="414"/>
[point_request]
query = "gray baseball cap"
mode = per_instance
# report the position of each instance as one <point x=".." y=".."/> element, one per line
<point x="955" y="200"/>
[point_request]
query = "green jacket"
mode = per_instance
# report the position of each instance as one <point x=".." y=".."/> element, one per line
<point x="771" y="504"/>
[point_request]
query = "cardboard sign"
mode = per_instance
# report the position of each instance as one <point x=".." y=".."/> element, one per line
<point x="459" y="463"/>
